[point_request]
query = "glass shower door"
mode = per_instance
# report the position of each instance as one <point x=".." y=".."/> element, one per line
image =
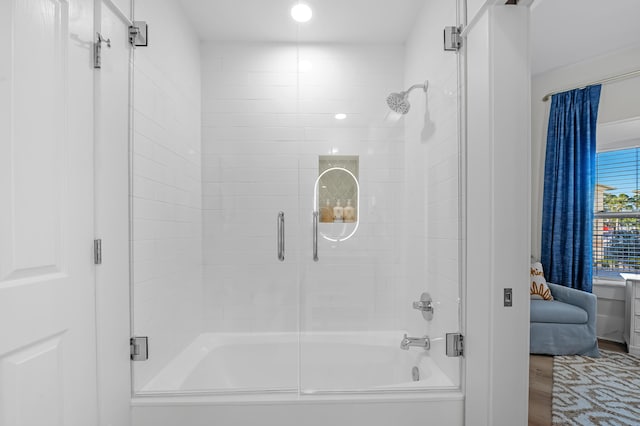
<point x="250" y="224"/>
<point x="216" y="265"/>
<point x="351" y="285"/>
<point x="397" y="171"/>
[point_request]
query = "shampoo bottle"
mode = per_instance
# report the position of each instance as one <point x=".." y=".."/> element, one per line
<point x="338" y="212"/>
<point x="326" y="213"/>
<point x="349" y="212"/>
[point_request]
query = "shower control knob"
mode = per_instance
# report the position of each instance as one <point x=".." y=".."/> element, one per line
<point x="425" y="304"/>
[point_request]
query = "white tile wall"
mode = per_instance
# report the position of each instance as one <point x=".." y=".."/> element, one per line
<point x="167" y="187"/>
<point x="432" y="214"/>
<point x="264" y="127"/>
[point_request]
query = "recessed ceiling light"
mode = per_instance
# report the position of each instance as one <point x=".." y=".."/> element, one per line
<point x="340" y="116"/>
<point x="301" y="12"/>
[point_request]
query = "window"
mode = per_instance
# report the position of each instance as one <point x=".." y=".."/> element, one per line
<point x="616" y="233"/>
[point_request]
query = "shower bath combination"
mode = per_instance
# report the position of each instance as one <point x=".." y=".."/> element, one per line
<point x="337" y="330"/>
<point x="399" y="102"/>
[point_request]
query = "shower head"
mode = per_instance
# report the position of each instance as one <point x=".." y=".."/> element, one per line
<point x="399" y="102"/>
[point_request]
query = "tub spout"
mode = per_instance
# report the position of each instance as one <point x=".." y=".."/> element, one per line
<point x="422" y="342"/>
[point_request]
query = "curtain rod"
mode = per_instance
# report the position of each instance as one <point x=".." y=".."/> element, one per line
<point x="604" y="80"/>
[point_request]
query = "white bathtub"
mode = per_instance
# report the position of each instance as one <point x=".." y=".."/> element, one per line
<point x="259" y="362"/>
<point x="243" y="377"/>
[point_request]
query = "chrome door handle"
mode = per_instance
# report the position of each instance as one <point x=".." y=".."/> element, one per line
<point x="315" y="236"/>
<point x="280" y="232"/>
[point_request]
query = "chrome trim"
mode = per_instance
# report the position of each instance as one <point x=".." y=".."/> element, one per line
<point x="315" y="236"/>
<point x="138" y="34"/>
<point x="455" y="344"/>
<point x="280" y="236"/>
<point x="611" y="79"/>
<point x="425" y="305"/>
<point x="422" y="342"/>
<point x="139" y="348"/>
<point x="97" y="251"/>
<point x="452" y="38"/>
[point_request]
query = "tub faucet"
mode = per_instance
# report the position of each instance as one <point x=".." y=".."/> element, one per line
<point x="422" y="342"/>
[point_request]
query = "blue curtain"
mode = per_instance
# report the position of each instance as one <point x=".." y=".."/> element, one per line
<point x="569" y="185"/>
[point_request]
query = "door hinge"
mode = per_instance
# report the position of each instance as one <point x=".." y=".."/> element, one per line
<point x="455" y="344"/>
<point x="139" y="34"/>
<point x="97" y="251"/>
<point x="139" y="348"/>
<point x="452" y="38"/>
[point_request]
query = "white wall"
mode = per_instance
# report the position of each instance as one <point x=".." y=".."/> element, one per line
<point x="167" y="223"/>
<point x="263" y="130"/>
<point x="432" y="160"/>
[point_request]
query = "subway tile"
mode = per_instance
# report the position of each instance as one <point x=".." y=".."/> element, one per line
<point x="253" y="92"/>
<point x="241" y="186"/>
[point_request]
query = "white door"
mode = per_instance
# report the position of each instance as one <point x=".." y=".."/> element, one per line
<point x="47" y="305"/>
<point x="112" y="214"/>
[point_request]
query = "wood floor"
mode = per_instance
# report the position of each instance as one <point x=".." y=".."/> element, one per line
<point x="541" y="384"/>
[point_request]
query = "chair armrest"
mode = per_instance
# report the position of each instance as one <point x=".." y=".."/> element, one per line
<point x="572" y="296"/>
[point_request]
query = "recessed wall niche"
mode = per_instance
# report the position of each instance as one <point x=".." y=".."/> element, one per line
<point x="338" y="188"/>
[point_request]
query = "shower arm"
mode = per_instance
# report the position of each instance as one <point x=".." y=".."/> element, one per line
<point x="422" y="86"/>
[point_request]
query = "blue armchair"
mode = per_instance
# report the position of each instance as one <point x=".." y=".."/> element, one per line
<point x="565" y="325"/>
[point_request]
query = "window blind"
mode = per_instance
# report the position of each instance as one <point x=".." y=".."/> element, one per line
<point x="616" y="225"/>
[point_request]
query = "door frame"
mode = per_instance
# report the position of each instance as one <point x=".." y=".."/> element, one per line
<point x="113" y="298"/>
<point x="498" y="149"/>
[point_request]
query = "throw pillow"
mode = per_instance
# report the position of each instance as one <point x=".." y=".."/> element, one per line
<point x="539" y="287"/>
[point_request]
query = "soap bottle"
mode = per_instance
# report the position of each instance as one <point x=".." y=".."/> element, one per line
<point x="326" y="213"/>
<point x="349" y="212"/>
<point x="338" y="212"/>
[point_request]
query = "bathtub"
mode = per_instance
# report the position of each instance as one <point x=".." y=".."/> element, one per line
<point x="342" y="378"/>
